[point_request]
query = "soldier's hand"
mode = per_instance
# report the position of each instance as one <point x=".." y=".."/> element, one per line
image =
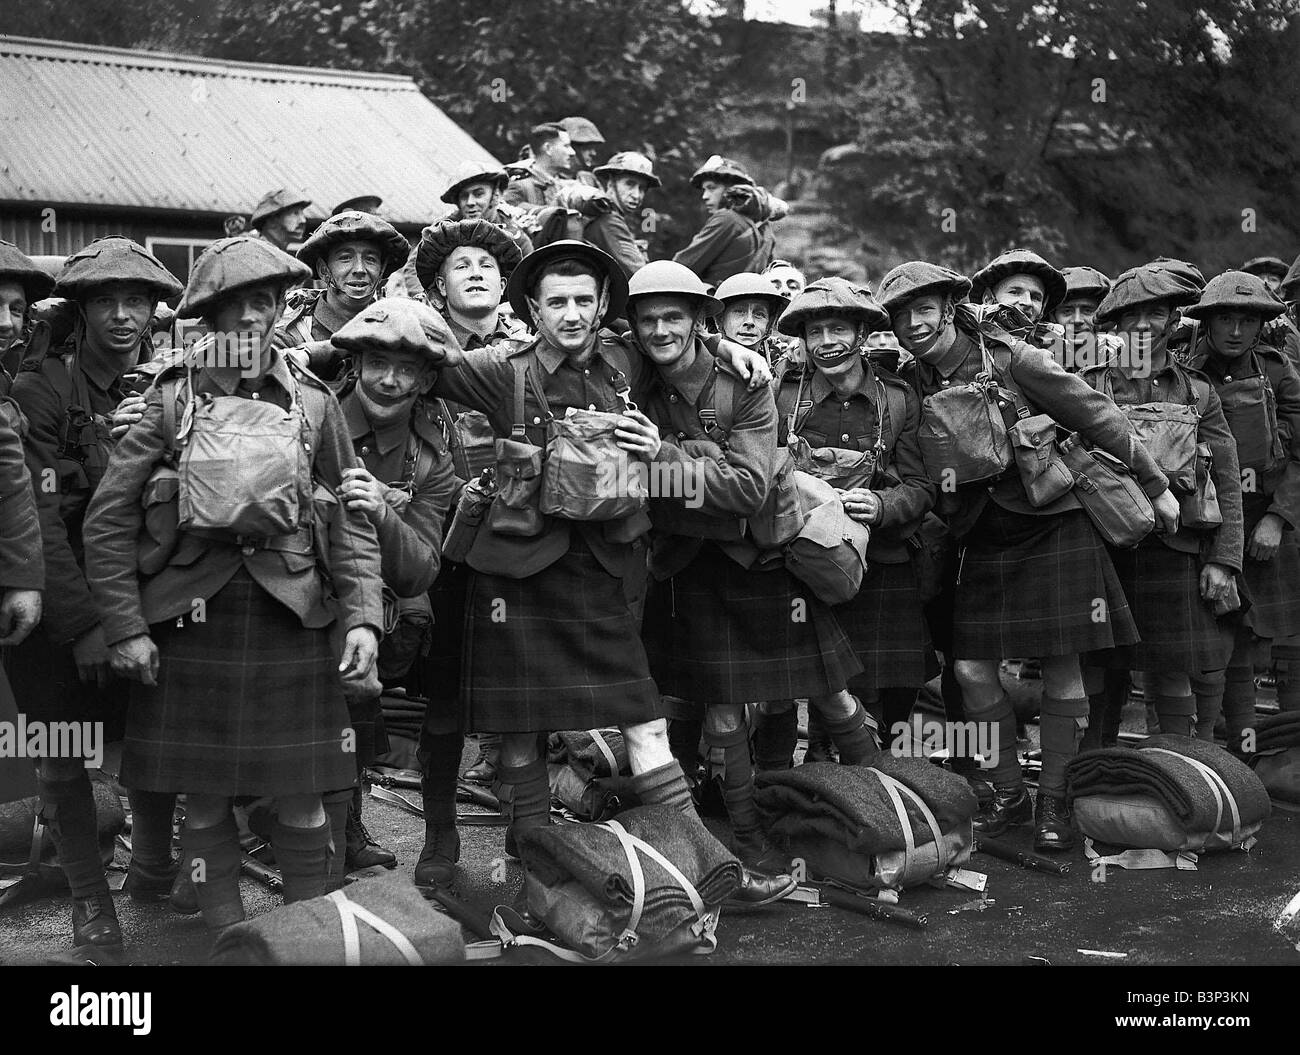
<point x="861" y="505"/>
<point x="1166" y="510"/>
<point x="357" y="667"/>
<point x="91" y="656"/>
<point x="637" y="434"/>
<point x="128" y="413"/>
<point x="135" y="658"/>
<point x="20" y="611"/>
<point x="362" y="493"/>
<point x="1266" y="538"/>
<point x="1216" y="581"/>
<point x="750" y="365"/>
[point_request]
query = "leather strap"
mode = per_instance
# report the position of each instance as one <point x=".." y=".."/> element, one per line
<point x="350" y="912"/>
<point x="1133" y="860"/>
<point x="896" y="789"/>
<point x="602" y="744"/>
<point x="1221" y="791"/>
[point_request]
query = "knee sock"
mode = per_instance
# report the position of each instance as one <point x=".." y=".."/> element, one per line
<point x="737" y="779"/>
<point x="684" y="743"/>
<point x="1061" y="725"/>
<point x="212" y="856"/>
<point x="151" y="828"/>
<point x="1238" y="703"/>
<point x="1001" y="716"/>
<point x="664" y="786"/>
<point x="776" y="734"/>
<point x="303" y="856"/>
<point x="68" y="809"/>
<point x="1208" y="691"/>
<point x="852" y="736"/>
<point x="525" y="795"/>
<point x="1104" y="711"/>
<point x="440" y="763"/>
<point x="1176" y="713"/>
<point x="336" y="805"/>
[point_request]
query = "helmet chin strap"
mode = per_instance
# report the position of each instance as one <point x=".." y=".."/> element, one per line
<point x="374" y="286"/>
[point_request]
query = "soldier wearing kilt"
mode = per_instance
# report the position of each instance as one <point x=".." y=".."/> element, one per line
<point x="1031" y="580"/>
<point x="463" y="265"/>
<point x="842" y="404"/>
<point x="721" y="629"/>
<point x="61" y="672"/>
<point x="1260" y="393"/>
<point x="404" y="489"/>
<point x="551" y="641"/>
<point x="223" y="618"/>
<point x="1172" y="581"/>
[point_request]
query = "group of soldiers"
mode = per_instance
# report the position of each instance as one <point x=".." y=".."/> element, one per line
<point x="230" y="549"/>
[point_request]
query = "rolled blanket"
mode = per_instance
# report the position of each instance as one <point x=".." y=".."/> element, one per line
<point x="592" y="752"/>
<point x="581" y="883"/>
<point x="312" y="933"/>
<point x="849" y="804"/>
<point x="1125" y="771"/>
<point x="1277" y="731"/>
<point x="594" y="857"/>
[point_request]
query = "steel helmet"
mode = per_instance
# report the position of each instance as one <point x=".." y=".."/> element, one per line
<point x="832" y="296"/>
<point x="916" y="278"/>
<point x="399" y="324"/>
<point x="17" y="266"/>
<point x="355" y="226"/>
<point x="524" y="277"/>
<point x="670" y="277"/>
<point x="114" y="259"/>
<point x="581" y="131"/>
<point x="629" y="163"/>
<point x="750" y="284"/>
<point x="1237" y="291"/>
<point x="1020" y="262"/>
<point x="720" y="170"/>
<point x="231" y="263"/>
<point x="276" y="201"/>
<point x="475" y="172"/>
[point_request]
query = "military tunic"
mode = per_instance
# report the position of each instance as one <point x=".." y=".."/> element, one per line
<point x="248" y="700"/>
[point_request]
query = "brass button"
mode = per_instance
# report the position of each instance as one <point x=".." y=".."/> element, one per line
<point x="944" y="381"/>
<point x="845" y="437"/>
<point x="365" y="450"/>
<point x="846" y="404"/>
<point x="672" y="397"/>
<point x="537" y="421"/>
<point x="255" y="395"/>
<point x="247" y="551"/>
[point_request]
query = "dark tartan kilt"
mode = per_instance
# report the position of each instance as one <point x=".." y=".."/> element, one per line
<point x="437" y="676"/>
<point x="556" y="650"/>
<point x="886" y="626"/>
<point x="248" y="702"/>
<point x="43" y="676"/>
<point x="1179" y="631"/>
<point x="1027" y="586"/>
<point x="717" y="633"/>
<point x="1274" y="585"/>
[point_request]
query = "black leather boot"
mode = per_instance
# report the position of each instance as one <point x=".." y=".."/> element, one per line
<point x="362" y="850"/>
<point x="438" y="857"/>
<point x="756" y="851"/>
<point x="758" y="888"/>
<point x="821" y="748"/>
<point x="94" y="921"/>
<point x="1011" y="806"/>
<point x="484" y="769"/>
<point x="1052" y="828"/>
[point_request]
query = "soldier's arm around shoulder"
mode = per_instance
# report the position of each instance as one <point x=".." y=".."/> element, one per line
<point x="1076" y="405"/>
<point x="115" y="519"/>
<point x="483" y="381"/>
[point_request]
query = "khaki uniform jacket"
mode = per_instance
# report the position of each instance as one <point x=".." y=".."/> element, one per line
<point x="1047" y="389"/>
<point x="199" y="567"/>
<point x="728" y="244"/>
<point x="906" y="494"/>
<point x="729" y="485"/>
<point x="410" y="539"/>
<point x="22" y="559"/>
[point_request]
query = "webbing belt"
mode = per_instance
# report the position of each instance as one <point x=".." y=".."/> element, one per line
<point x="896" y="789"/>
<point x="599" y="740"/>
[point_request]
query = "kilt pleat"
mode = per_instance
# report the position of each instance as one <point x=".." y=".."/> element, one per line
<point x="718" y="633"/>
<point x="1179" y="632"/>
<point x="1037" y="586"/>
<point x="248" y="702"/>
<point x="886" y="626"/>
<point x="556" y="650"/>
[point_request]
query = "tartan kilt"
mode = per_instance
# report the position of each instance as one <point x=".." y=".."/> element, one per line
<point x="717" y="633"/>
<point x="1027" y="586"/>
<point x="1179" y="631"/>
<point x="886" y="626"/>
<point x="248" y="702"/>
<point x="556" y="650"/>
<point x="1274" y="585"/>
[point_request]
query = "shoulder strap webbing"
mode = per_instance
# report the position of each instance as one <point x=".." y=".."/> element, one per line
<point x="719" y="418"/>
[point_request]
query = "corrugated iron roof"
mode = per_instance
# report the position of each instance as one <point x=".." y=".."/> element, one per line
<point x="117" y="128"/>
